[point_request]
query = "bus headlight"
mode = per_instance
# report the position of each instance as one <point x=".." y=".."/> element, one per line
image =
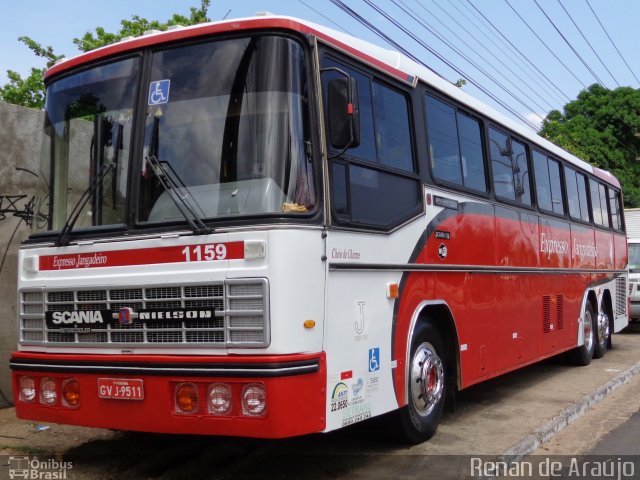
<point x="27" y="389"/>
<point x="219" y="398"/>
<point x="254" y="399"/>
<point x="48" y="394"/>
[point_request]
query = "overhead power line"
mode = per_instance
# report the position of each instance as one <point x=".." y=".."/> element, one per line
<point x="525" y="57"/>
<point x="324" y="16"/>
<point x="506" y="50"/>
<point x="359" y="18"/>
<point x="522" y="81"/>
<point x="611" y="40"/>
<point x="463" y="55"/>
<point x="545" y="44"/>
<point x="569" y="44"/>
<point x="588" y="42"/>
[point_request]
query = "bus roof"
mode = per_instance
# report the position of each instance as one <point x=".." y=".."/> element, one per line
<point x="392" y="62"/>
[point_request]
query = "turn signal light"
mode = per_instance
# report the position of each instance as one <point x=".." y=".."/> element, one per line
<point x="71" y="393"/>
<point x="186" y="398"/>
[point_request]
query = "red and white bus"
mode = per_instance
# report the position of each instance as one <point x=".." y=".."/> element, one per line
<point x="265" y="228"/>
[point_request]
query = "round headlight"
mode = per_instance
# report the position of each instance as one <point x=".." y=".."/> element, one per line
<point x="219" y="398"/>
<point x="48" y="393"/>
<point x="27" y="389"/>
<point x="254" y="399"/>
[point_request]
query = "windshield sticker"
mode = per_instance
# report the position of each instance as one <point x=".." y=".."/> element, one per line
<point x="159" y="92"/>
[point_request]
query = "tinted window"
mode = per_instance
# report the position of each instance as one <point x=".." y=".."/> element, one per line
<point x="556" y="187"/>
<point x="596" y="209"/>
<point x="379" y="198"/>
<point x="501" y="165"/>
<point x="510" y="168"/>
<point x="455" y="146"/>
<point x="375" y="184"/>
<point x="572" y="192"/>
<point x="521" y="172"/>
<point x="443" y="141"/>
<point x="603" y="203"/>
<point x="392" y="128"/>
<point x="614" y="205"/>
<point x="339" y="189"/>
<point x="472" y="155"/>
<point x="543" y="186"/>
<point x="582" y="196"/>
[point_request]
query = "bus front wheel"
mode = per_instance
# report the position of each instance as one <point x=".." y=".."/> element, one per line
<point x="419" y="419"/>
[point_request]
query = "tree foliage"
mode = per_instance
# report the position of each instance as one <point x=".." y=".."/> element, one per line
<point x="602" y="127"/>
<point x="138" y="25"/>
<point x="30" y="91"/>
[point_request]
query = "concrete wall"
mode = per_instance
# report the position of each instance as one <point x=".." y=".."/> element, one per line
<point x="20" y="144"/>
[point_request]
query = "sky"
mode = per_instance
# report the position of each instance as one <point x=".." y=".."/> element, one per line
<point x="454" y="38"/>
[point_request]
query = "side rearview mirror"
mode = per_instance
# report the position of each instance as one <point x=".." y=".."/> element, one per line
<point x="344" y="113"/>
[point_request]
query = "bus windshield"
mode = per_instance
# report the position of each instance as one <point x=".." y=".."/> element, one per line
<point x="87" y="135"/>
<point x="226" y="128"/>
<point x="225" y="135"/>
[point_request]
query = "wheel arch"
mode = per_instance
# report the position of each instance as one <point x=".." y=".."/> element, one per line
<point x="590" y="297"/>
<point x="438" y="314"/>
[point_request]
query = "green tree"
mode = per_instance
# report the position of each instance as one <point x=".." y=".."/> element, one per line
<point x="30" y="91"/>
<point x="602" y="127"/>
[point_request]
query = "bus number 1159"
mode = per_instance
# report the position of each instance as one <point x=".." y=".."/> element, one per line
<point x="198" y="253"/>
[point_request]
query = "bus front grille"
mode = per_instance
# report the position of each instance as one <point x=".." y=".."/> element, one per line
<point x="233" y="313"/>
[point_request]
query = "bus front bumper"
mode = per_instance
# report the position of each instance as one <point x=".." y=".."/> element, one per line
<point x="250" y="396"/>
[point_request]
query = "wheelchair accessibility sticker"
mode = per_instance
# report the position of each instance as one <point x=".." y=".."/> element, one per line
<point x="374" y="359"/>
<point x="159" y="92"/>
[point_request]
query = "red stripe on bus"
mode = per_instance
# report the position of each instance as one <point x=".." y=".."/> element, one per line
<point x="205" y="252"/>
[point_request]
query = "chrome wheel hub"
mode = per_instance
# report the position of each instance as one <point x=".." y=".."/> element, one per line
<point x="587" y="330"/>
<point x="603" y="327"/>
<point x="427" y="379"/>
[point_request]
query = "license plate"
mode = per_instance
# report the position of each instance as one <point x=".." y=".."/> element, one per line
<point x="121" y="388"/>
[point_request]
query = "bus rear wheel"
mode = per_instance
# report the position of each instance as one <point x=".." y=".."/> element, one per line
<point x="419" y="420"/>
<point x="583" y="354"/>
<point x="602" y="335"/>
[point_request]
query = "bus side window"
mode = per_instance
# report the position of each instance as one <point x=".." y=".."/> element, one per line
<point x="510" y="168"/>
<point x="604" y="206"/>
<point x="572" y="192"/>
<point x="543" y="183"/>
<point x="375" y="184"/>
<point x="555" y="181"/>
<point x="614" y="206"/>
<point x="455" y="146"/>
<point x="596" y="208"/>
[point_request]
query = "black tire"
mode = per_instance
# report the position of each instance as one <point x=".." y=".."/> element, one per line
<point x="419" y="419"/>
<point x="583" y="354"/>
<point x="602" y="334"/>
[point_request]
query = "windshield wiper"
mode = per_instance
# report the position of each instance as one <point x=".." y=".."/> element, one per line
<point x="63" y="237"/>
<point x="97" y="155"/>
<point x="172" y="185"/>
